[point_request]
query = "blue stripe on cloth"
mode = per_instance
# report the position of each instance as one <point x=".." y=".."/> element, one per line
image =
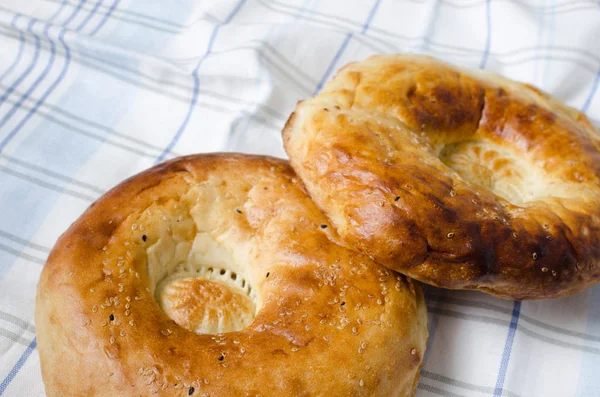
<point x="19" y="52"/>
<point x="332" y="64"/>
<point x="30" y="90"/>
<point x="341" y="50"/>
<point x="29" y="68"/>
<point x="370" y="17"/>
<point x="592" y="94"/>
<point x="73" y="13"/>
<point x="488" y="37"/>
<point x="58" y="11"/>
<point x="106" y="16"/>
<point x="52" y="87"/>
<point x="15" y="370"/>
<point x="196" y="78"/>
<point x="512" y="330"/>
<point x="89" y="16"/>
<point x="45" y="95"/>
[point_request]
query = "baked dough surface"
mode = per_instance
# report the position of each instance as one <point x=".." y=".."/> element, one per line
<point x="256" y="298"/>
<point x="460" y="179"/>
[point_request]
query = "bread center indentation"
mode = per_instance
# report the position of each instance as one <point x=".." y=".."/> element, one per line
<point x="210" y="302"/>
<point x="488" y="166"/>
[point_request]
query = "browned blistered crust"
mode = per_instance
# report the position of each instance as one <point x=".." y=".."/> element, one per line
<point x="330" y="321"/>
<point x="376" y="151"/>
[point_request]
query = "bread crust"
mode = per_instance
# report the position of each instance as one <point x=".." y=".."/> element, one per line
<point x="329" y="321"/>
<point x="459" y="179"/>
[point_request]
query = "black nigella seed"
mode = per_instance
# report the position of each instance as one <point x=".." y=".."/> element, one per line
<point x="323" y="226"/>
<point x="221" y="357"/>
<point x="144" y="238"/>
<point x="268" y="274"/>
<point x="191" y="391"/>
<point x="397" y="198"/>
<point x="238" y="211"/>
<point x="111" y="317"/>
<point x="343" y="303"/>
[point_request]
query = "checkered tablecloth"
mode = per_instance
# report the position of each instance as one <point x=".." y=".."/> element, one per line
<point x="93" y="91"/>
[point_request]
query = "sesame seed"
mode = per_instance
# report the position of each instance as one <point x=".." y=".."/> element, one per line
<point x="238" y="211"/>
<point x="397" y="198"/>
<point x="268" y="273"/>
<point x="361" y="383"/>
<point x="450" y="235"/>
<point x="535" y="256"/>
<point x="342" y="304"/>
<point x="191" y="391"/>
<point x="111" y="317"/>
<point x="144" y="237"/>
<point x="221" y="357"/>
<point x="323" y="226"/>
<point x="413" y="351"/>
<point x="554" y="273"/>
<point x="544" y="269"/>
